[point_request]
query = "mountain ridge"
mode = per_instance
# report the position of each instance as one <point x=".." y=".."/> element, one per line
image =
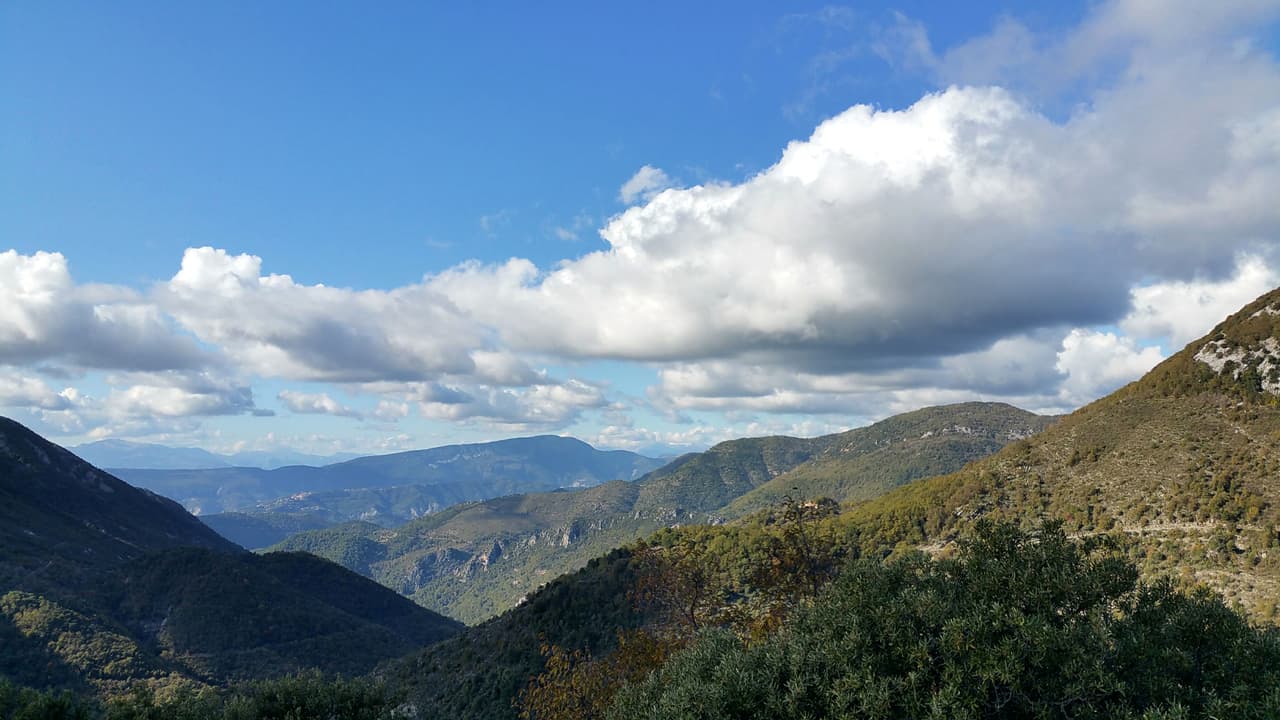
<point x="474" y="560"/>
<point x="456" y="473"/>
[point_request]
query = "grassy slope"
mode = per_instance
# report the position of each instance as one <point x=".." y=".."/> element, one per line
<point x="1183" y="464"/>
<point x="861" y="464"/>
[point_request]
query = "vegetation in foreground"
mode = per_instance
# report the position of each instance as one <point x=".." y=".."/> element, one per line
<point x="1019" y="624"/>
<point x="302" y="697"/>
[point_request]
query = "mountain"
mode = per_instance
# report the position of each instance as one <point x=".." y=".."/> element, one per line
<point x="260" y="530"/>
<point x="60" y="516"/>
<point x="474" y="560"/>
<point x="284" y="457"/>
<point x="1182" y="466"/>
<point x="864" y="463"/>
<point x="102" y="584"/>
<point x="123" y="453"/>
<point x="149" y="456"/>
<point x="450" y="474"/>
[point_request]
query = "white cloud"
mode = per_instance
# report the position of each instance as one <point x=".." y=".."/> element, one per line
<point x="537" y="406"/>
<point x="644" y="185"/>
<point x="1095" y="363"/>
<point x="275" y="327"/>
<point x="46" y="317"/>
<point x="176" y="394"/>
<point x="1186" y="310"/>
<point x="934" y="244"/>
<point x="315" y="404"/>
<point x="24" y="391"/>
<point x="136" y="403"/>
<point x="389" y="411"/>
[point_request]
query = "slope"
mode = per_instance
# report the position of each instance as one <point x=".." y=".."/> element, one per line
<point x="60" y="516"/>
<point x="1182" y="465"/>
<point x="861" y="464"/>
<point x="102" y="584"/>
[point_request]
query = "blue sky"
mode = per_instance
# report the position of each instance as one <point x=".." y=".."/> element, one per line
<point x="402" y="155"/>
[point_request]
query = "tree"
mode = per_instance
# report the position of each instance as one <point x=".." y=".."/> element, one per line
<point x="1020" y="624"/>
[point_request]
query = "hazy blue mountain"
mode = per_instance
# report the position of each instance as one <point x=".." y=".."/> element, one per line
<point x="271" y="459"/>
<point x="439" y="477"/>
<point x="150" y="456"/>
<point x="123" y="453"/>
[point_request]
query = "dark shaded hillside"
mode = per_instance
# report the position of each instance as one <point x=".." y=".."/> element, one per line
<point x="444" y="476"/>
<point x="219" y="617"/>
<point x="59" y="515"/>
<point x="102" y="584"/>
<point x="260" y="530"/>
<point x="478" y="673"/>
<point x="475" y="560"/>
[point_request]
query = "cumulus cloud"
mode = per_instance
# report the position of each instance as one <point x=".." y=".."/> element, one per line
<point x="46" y="317"/>
<point x="315" y="404"/>
<point x="389" y="411"/>
<point x="1019" y="370"/>
<point x="1095" y="363"/>
<point x="644" y="185"/>
<point x="24" y="391"/>
<point x="546" y="403"/>
<point x="135" y="403"/>
<point x="1185" y="310"/>
<point x="177" y="394"/>
<point x="929" y="231"/>
<point x="922" y="243"/>
<point x="275" y="327"/>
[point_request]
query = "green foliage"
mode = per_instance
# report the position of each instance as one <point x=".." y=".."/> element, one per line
<point x="1018" y="625"/>
<point x="480" y="672"/>
<point x="54" y="646"/>
<point x="300" y="697"/>
<point x="22" y="703"/>
<point x="308" y="696"/>
<point x="576" y="686"/>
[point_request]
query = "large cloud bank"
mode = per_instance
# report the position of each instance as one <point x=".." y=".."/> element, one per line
<point x="984" y="241"/>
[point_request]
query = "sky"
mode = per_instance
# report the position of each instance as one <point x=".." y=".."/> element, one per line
<point x="336" y="227"/>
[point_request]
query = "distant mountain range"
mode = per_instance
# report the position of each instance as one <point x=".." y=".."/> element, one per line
<point x="126" y="454"/>
<point x="474" y="560"/>
<point x="102" y="583"/>
<point x="391" y="489"/>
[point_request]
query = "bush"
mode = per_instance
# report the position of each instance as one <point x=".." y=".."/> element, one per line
<point x="1018" y="625"/>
